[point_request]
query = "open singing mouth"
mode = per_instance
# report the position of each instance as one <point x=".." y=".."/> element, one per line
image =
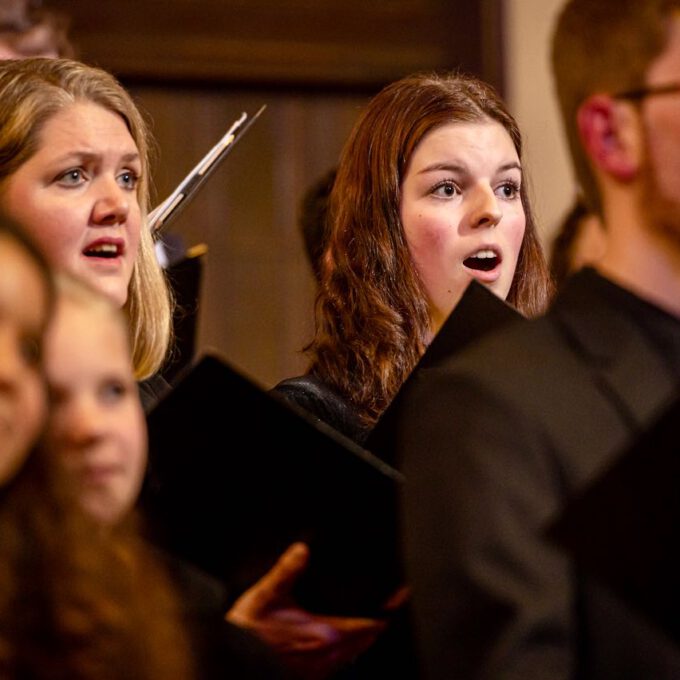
<point x="483" y="260"/>
<point x="104" y="249"/>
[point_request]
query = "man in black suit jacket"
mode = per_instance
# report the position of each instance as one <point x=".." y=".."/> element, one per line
<point x="497" y="441"/>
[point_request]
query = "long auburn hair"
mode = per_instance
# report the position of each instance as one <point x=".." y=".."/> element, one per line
<point x="372" y="318"/>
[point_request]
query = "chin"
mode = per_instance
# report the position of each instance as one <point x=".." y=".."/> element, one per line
<point x="103" y="510"/>
<point x="501" y="289"/>
<point x="116" y="294"/>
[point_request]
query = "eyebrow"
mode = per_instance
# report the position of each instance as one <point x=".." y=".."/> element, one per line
<point x="453" y="167"/>
<point x="89" y="156"/>
<point x="130" y="157"/>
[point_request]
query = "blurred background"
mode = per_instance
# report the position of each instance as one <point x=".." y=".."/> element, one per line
<point x="195" y="65"/>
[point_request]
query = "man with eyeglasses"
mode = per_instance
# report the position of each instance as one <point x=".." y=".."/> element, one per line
<point x="496" y="443"/>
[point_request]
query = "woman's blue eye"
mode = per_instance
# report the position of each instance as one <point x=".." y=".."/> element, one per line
<point x="128" y="179"/>
<point x="71" y="177"/>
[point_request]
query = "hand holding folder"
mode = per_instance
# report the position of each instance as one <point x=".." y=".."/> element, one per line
<point x="313" y="645"/>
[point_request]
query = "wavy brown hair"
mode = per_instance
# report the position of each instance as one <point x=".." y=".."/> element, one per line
<point x="372" y="319"/>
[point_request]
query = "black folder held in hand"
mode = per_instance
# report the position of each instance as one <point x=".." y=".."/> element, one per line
<point x="479" y="312"/>
<point x="625" y="528"/>
<point x="236" y="476"/>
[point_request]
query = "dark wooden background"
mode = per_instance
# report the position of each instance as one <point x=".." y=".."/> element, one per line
<point x="195" y="65"/>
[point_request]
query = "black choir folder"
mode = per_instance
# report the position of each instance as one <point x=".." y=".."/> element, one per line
<point x="477" y="313"/>
<point x="236" y="476"/>
<point x="625" y="528"/>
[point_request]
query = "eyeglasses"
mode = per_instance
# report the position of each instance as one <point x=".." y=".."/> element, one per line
<point x="648" y="91"/>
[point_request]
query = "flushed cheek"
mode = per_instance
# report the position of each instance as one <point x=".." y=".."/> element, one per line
<point x="511" y="230"/>
<point x="435" y="252"/>
<point x="517" y="236"/>
<point x="56" y="237"/>
<point x="426" y="237"/>
<point x="514" y="236"/>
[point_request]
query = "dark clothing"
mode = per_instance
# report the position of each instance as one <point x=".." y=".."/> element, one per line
<point x="313" y="395"/>
<point x="221" y="650"/>
<point x="493" y="443"/>
<point x="152" y="390"/>
<point x="393" y="655"/>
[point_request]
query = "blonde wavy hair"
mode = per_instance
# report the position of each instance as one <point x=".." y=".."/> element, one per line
<point x="31" y="92"/>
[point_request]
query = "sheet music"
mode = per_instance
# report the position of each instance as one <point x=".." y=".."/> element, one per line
<point x="171" y="206"/>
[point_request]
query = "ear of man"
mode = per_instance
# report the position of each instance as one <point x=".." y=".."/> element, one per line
<point x="612" y="137"/>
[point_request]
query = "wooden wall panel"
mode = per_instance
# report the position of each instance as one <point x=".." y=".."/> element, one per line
<point x="258" y="291"/>
<point x="353" y="43"/>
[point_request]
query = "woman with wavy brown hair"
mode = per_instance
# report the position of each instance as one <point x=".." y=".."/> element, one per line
<point x="429" y="194"/>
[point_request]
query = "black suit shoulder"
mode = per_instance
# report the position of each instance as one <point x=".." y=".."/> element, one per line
<point x="494" y="443"/>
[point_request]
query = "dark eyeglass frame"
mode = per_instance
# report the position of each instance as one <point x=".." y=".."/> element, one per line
<point x="648" y="91"/>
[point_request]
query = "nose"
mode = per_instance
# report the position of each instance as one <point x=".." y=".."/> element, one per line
<point x="78" y="423"/>
<point x="112" y="203"/>
<point x="485" y="210"/>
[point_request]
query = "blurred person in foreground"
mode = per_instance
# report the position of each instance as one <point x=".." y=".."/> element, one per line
<point x="528" y="418"/>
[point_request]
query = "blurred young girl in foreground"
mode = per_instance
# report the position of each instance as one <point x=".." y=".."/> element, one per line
<point x="72" y="602"/>
<point x="97" y="433"/>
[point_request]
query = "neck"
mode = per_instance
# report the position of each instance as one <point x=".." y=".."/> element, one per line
<point x="642" y="257"/>
<point x="436" y="322"/>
